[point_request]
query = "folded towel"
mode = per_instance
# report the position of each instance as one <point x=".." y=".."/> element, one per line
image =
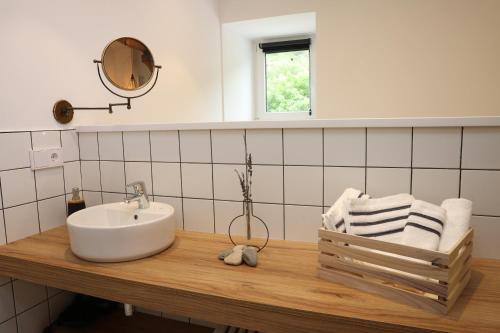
<point x="381" y="218"/>
<point x="425" y="225"/>
<point x="334" y="218"/>
<point x="458" y="214"/>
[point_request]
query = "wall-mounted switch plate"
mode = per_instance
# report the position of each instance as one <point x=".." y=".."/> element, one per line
<point x="46" y="158"/>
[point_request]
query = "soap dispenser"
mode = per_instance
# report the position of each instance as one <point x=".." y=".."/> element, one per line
<point x="76" y="203"/>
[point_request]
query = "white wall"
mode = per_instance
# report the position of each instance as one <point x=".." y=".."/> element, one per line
<point x="48" y="48"/>
<point x="393" y="58"/>
<point x="238" y="73"/>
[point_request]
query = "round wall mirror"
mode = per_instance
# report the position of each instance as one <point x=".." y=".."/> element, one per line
<point x="127" y="63"/>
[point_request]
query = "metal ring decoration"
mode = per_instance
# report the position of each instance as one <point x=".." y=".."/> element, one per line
<point x="260" y="248"/>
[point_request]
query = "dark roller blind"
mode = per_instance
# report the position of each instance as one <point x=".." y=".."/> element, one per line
<point x="285" y="46"/>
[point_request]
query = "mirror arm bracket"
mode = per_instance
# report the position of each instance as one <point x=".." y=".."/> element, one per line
<point x="63" y="111"/>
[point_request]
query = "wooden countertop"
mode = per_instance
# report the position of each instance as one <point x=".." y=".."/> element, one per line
<point x="283" y="294"/>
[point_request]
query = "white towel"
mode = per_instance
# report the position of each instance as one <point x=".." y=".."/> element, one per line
<point x="381" y="218"/>
<point x="458" y="214"/>
<point x="425" y="225"/>
<point x="334" y="218"/>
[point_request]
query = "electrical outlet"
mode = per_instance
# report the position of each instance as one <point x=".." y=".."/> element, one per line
<point x="46" y="158"/>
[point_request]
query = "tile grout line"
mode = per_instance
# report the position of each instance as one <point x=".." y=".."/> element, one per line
<point x="124" y="167"/>
<point x="36" y="190"/>
<point x="3" y="211"/>
<point x="180" y="174"/>
<point x="212" y="168"/>
<point x="411" y="162"/>
<point x="14" y="303"/>
<point x="99" y="164"/>
<point x="323" y="168"/>
<point x="460" y="165"/>
<point x="151" y="166"/>
<point x="366" y="159"/>
<point x="283" y="179"/>
<point x="64" y="177"/>
<point x="80" y="157"/>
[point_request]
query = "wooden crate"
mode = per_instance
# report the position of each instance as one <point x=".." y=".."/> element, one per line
<point x="427" y="279"/>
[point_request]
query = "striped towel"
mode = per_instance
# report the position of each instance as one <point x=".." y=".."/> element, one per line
<point x="425" y="225"/>
<point x="381" y="218"/>
<point x="334" y="218"/>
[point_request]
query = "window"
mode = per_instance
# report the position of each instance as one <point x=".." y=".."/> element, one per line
<point x="286" y="82"/>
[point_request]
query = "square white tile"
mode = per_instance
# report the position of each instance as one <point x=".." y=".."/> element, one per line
<point x="21" y="221"/>
<point x="304" y="185"/>
<point x="49" y="182"/>
<point x="198" y="215"/>
<point x="486" y="231"/>
<point x="228" y="146"/>
<point x="338" y="179"/>
<point x="483" y="189"/>
<point x="6" y="302"/>
<point x="434" y="185"/>
<point x="197" y="180"/>
<point x="480" y="148"/>
<point x="3" y="240"/>
<point x="389" y="147"/>
<point x="52" y="213"/>
<point x="14" y="150"/>
<point x="18" y="187"/>
<point x="265" y="145"/>
<point x="110" y="146"/>
<point x="345" y="146"/>
<point x="27" y="294"/>
<point x="225" y="211"/>
<point x="436" y="147"/>
<point x="382" y="182"/>
<point x="303" y="146"/>
<point x="46" y="139"/>
<point x="34" y="320"/>
<point x="91" y="175"/>
<point x="69" y="140"/>
<point x="267" y="184"/>
<point x="59" y="303"/>
<point x="139" y="171"/>
<point x="137" y="146"/>
<point x="167" y="179"/>
<point x="9" y="326"/>
<point x="273" y="217"/>
<point x="112" y="176"/>
<point x="72" y="176"/>
<point x="302" y="223"/>
<point x="177" y="204"/>
<point x="165" y="146"/>
<point x="112" y="197"/>
<point x="88" y="146"/>
<point x="226" y="183"/>
<point x="195" y="146"/>
<point x="92" y="198"/>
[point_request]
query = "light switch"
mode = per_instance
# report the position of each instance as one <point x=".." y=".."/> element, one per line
<point x="46" y="158"/>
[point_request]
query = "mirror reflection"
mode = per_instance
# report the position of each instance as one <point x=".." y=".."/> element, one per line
<point x="127" y="63"/>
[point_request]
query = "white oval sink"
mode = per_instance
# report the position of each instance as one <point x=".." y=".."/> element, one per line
<point x="120" y="232"/>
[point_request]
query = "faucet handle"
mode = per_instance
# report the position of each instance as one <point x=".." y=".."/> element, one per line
<point x="139" y="187"/>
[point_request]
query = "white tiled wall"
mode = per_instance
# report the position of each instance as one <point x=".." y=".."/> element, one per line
<point x="298" y="174"/>
<point x="31" y="202"/>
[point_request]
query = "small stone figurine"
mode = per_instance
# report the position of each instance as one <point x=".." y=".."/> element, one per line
<point x="245" y="253"/>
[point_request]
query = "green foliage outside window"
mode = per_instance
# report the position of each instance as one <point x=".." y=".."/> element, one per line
<point x="287" y="81"/>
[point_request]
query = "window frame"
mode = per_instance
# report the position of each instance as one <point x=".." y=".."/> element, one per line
<point x="261" y="82"/>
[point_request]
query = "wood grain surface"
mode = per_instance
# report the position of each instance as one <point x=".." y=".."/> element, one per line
<point x="283" y="294"/>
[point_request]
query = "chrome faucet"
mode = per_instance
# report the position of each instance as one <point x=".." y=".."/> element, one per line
<point x="140" y="194"/>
